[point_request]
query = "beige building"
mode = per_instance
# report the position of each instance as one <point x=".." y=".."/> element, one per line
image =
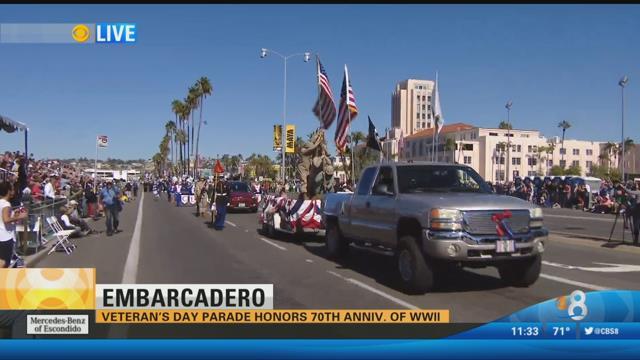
<point x="411" y="106"/>
<point x="485" y="149"/>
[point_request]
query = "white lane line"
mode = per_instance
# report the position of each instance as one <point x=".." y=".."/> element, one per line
<point x="246" y="230"/>
<point x="375" y="291"/>
<point x="130" y="268"/>
<point x="579" y="217"/>
<point x="574" y="283"/>
<point x="230" y="223"/>
<point x="309" y="260"/>
<point x="131" y="265"/>
<point x="607" y="268"/>
<point x="273" y="244"/>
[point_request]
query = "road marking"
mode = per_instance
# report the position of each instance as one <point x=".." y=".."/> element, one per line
<point x="246" y="230"/>
<point x="230" y="223"/>
<point x="578" y="217"/>
<point x="130" y="267"/>
<point x="574" y="283"/>
<point x="309" y="260"/>
<point x="375" y="291"/>
<point x="608" y="267"/>
<point x="273" y="244"/>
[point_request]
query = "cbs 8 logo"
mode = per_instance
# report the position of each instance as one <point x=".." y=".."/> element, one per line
<point x="577" y="302"/>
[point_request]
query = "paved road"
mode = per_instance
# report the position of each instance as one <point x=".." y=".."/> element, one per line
<point x="579" y="223"/>
<point x="171" y="245"/>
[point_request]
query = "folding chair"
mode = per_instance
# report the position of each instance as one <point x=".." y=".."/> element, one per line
<point x="61" y="235"/>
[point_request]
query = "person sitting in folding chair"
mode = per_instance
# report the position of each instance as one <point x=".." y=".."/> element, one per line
<point x="65" y="222"/>
<point x="62" y="236"/>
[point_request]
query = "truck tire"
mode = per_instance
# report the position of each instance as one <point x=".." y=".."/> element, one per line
<point x="337" y="246"/>
<point x="521" y="273"/>
<point x="416" y="273"/>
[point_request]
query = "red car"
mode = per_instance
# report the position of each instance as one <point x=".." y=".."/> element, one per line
<point x="241" y="197"/>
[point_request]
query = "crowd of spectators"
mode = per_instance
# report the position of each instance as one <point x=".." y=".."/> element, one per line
<point x="565" y="193"/>
<point x="70" y="195"/>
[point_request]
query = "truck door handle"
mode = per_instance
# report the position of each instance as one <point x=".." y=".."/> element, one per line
<point x="368" y="204"/>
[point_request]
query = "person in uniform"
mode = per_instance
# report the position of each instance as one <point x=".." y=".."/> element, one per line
<point x="222" y="198"/>
<point x="199" y="193"/>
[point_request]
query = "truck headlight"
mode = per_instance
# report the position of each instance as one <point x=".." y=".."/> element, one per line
<point x="445" y="219"/>
<point x="536" y="218"/>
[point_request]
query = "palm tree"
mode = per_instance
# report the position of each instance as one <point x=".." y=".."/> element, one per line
<point x="170" y="129"/>
<point x="176" y="108"/>
<point x="449" y="145"/>
<point x="611" y="148"/>
<point x="181" y="138"/>
<point x="564" y="125"/>
<point x="357" y="137"/>
<point x="193" y="99"/>
<point x="204" y="89"/>
<point x="541" y="150"/>
<point x="550" y="150"/>
<point x="628" y="146"/>
<point x="185" y="114"/>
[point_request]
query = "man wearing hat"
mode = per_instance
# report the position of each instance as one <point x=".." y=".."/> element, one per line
<point x="109" y="195"/>
<point x="65" y="222"/>
<point x="76" y="219"/>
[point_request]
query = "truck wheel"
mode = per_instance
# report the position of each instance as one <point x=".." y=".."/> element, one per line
<point x="416" y="274"/>
<point x="521" y="273"/>
<point x="335" y="243"/>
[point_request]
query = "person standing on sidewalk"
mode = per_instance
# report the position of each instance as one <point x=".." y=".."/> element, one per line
<point x="110" y="201"/>
<point x="7" y="220"/>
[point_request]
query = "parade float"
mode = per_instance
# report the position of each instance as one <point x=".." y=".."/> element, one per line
<point x="302" y="214"/>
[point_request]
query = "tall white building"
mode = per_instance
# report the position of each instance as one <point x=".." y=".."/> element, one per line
<point x="485" y="150"/>
<point x="411" y="106"/>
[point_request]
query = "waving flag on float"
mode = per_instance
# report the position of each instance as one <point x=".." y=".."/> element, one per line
<point x="347" y="112"/>
<point x="325" y="108"/>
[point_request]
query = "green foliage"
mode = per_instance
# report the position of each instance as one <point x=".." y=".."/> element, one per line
<point x="505" y="125"/>
<point x="573" y="170"/>
<point x="557" y="171"/>
<point x="604" y="172"/>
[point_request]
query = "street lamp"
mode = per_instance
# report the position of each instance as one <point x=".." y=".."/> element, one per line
<point x="306" y="56"/>
<point x="508" y="107"/>
<point x="623" y="82"/>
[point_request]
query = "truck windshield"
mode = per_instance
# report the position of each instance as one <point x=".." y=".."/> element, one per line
<point x="439" y="178"/>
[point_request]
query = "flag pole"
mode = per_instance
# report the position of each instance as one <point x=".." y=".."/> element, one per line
<point x="353" y="154"/>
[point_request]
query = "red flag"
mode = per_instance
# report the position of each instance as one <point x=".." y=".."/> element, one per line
<point x="218" y="169"/>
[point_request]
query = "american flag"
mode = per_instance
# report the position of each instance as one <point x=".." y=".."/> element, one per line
<point x="347" y="113"/>
<point x="325" y="108"/>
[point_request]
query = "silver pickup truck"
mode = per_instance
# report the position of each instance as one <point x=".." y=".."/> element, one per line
<point x="433" y="217"/>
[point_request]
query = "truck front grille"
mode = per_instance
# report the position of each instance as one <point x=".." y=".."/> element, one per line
<point x="478" y="222"/>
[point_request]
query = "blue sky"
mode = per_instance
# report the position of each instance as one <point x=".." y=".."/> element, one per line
<point x="554" y="62"/>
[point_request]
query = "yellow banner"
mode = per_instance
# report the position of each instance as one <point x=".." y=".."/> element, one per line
<point x="277" y="137"/>
<point x="50" y="289"/>
<point x="291" y="139"/>
<point x="274" y="316"/>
